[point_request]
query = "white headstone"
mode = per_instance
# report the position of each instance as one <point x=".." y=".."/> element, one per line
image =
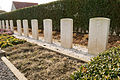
<point x="0" y="25"/>
<point x="34" y="24"/>
<point x="98" y="35"/>
<point x="19" y="27"/>
<point x="7" y="24"/>
<point x="47" y="30"/>
<point x="66" y="32"/>
<point x="3" y="24"/>
<point x="25" y="27"/>
<point x="11" y="25"/>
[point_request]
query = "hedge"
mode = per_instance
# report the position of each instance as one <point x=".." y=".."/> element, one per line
<point x="106" y="66"/>
<point x="79" y="10"/>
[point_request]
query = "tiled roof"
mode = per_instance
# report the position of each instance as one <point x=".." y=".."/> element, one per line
<point x="19" y="5"/>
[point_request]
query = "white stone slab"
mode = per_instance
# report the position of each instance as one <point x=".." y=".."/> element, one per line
<point x="47" y="30"/>
<point x="66" y="32"/>
<point x="11" y="25"/>
<point x="7" y="24"/>
<point x="25" y="27"/>
<point x="3" y="24"/>
<point x="0" y="24"/>
<point x="19" y="27"/>
<point x="34" y="24"/>
<point x="98" y="35"/>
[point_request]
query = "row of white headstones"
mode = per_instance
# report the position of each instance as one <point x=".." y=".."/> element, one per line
<point x="98" y="32"/>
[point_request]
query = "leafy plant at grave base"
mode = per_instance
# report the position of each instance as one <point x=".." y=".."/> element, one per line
<point x="7" y="40"/>
<point x="106" y="66"/>
<point x="6" y="45"/>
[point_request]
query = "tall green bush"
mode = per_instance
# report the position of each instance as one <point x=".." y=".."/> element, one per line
<point x="79" y="10"/>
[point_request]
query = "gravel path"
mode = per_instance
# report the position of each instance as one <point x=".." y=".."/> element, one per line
<point x="5" y="73"/>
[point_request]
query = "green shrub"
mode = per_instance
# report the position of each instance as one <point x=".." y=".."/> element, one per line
<point x="7" y="40"/>
<point x="79" y="10"/>
<point x="106" y="66"/>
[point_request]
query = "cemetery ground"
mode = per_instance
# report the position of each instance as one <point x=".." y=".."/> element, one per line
<point x="38" y="63"/>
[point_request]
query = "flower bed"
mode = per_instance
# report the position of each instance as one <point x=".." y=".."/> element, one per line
<point x="5" y="31"/>
<point x="7" y="40"/>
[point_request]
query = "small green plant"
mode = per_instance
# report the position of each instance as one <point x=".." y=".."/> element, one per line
<point x="106" y="66"/>
<point x="7" y="40"/>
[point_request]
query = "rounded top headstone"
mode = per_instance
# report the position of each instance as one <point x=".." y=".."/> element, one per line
<point x="100" y="18"/>
<point x="47" y="20"/>
<point x="34" y="20"/>
<point x="66" y="19"/>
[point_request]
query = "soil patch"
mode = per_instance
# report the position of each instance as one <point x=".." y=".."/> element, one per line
<point x="38" y="63"/>
<point x="82" y="39"/>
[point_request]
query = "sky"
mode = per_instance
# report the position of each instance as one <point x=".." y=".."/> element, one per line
<point x="7" y="4"/>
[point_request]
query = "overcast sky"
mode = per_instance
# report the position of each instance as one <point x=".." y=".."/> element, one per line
<point x="6" y="4"/>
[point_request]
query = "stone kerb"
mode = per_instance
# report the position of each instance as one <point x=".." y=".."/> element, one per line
<point x="66" y="32"/>
<point x="19" y="27"/>
<point x="34" y="24"/>
<point x="11" y="25"/>
<point x="47" y="30"/>
<point x="25" y="28"/>
<point x="98" y="35"/>
<point x="7" y="24"/>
